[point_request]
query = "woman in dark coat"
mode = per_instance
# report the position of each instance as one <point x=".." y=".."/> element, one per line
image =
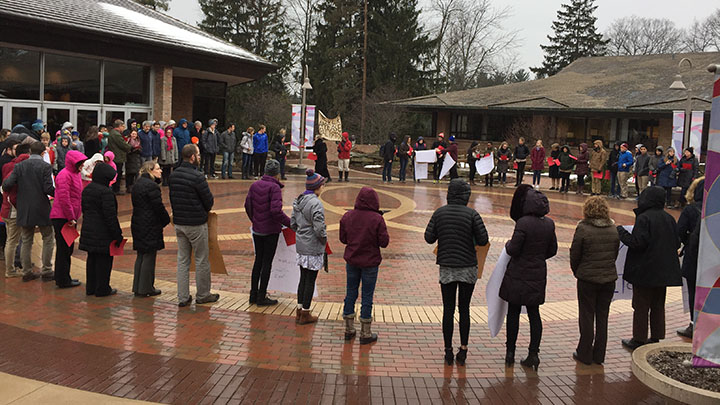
<point x="581" y="168"/>
<point x="134" y="161"/>
<point x="566" y="165"/>
<point x="555" y="169"/>
<point x="321" y="163"/>
<point x="92" y="142"/>
<point x="100" y="228"/>
<point x="689" y="232"/>
<point x="667" y="175"/>
<point x="612" y="165"/>
<point x="688" y="172"/>
<point x="149" y="217"/>
<point x="532" y="243"/>
<point x="471" y="158"/>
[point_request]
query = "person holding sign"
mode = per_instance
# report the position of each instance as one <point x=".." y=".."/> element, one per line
<point x="439" y="146"/>
<point x="593" y="253"/>
<point x="538" y="162"/>
<point x="598" y="157"/>
<point x="66" y="210"/>
<point x="472" y="156"/>
<point x="452" y="151"/>
<point x="308" y="222"/>
<point x="521" y="154"/>
<point x="100" y="229"/>
<point x="532" y="243"/>
<point x="490" y="151"/>
<point x="566" y="166"/>
<point x="504" y="158"/>
<point x="457" y="229"/>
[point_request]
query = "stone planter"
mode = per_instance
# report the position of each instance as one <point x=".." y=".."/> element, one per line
<point x="664" y="385"/>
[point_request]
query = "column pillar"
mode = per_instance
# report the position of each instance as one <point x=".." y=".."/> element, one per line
<point x="162" y="92"/>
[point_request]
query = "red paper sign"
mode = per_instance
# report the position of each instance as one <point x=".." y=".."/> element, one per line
<point x="557" y="162"/>
<point x="503" y="157"/>
<point x="551" y="161"/>
<point x="598" y="175"/>
<point x="687" y="166"/>
<point x="312" y="156"/>
<point x="515" y="165"/>
<point x="69" y="233"/>
<point x="116" y="250"/>
<point x="573" y="157"/>
<point x="674" y="166"/>
<point x="289" y="236"/>
<point x="327" y="249"/>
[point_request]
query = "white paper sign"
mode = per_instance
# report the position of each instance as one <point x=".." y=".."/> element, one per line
<point x="623" y="289"/>
<point x="448" y="164"/>
<point x="497" y="307"/>
<point x="421" y="171"/>
<point x="285" y="273"/>
<point x="485" y="164"/>
<point x="426" y="156"/>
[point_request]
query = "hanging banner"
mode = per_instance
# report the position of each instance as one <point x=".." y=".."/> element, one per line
<point x="706" y="335"/>
<point x="329" y="129"/>
<point x="678" y="131"/>
<point x="309" y="126"/>
<point x="696" y="127"/>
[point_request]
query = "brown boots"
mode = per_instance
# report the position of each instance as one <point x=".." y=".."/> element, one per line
<point x="350" y="331"/>
<point x="366" y="335"/>
<point x="305" y="317"/>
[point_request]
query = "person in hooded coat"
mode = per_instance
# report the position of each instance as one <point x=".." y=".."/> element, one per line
<point x="404" y="152"/>
<point x="598" y="158"/>
<point x="667" y="175"/>
<point x="149" y="217"/>
<point x="364" y="232"/>
<point x="67" y="208"/>
<point x="344" y="148"/>
<point x="64" y="144"/>
<point x="566" y="166"/>
<point x="504" y="157"/>
<point x="612" y="165"/>
<point x="388" y="156"/>
<point x="419" y="145"/>
<point x="581" y="167"/>
<point x="182" y="134"/>
<point x="133" y="162"/>
<point x="100" y="229"/>
<point x="472" y="157"/>
<point x="321" y="163"/>
<point x="457" y="229"/>
<point x="689" y="232"/>
<point x="532" y="243"/>
<point x="651" y="266"/>
<point x="688" y="172"/>
<point x="653" y="164"/>
<point x="538" y="162"/>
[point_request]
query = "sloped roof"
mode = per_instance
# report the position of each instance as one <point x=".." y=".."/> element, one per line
<point x="611" y="83"/>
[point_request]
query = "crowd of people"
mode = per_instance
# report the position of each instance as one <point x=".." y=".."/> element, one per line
<point x="86" y="184"/>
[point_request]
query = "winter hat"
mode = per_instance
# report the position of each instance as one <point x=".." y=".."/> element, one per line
<point x="67" y="125"/>
<point x="75" y="133"/>
<point x="38" y="126"/>
<point x="452" y="138"/>
<point x="441" y="135"/>
<point x="171" y="123"/>
<point x="272" y="167"/>
<point x="212" y="121"/>
<point x="660" y="148"/>
<point x="314" y="180"/>
<point x="625" y="145"/>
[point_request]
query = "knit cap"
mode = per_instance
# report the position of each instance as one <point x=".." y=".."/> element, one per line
<point x="38" y="126"/>
<point x="272" y="167"/>
<point x="314" y="180"/>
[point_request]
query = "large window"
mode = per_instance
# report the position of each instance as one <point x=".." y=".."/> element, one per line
<point x="126" y="84"/>
<point x="209" y="101"/>
<point x="72" y="79"/>
<point x="19" y="74"/>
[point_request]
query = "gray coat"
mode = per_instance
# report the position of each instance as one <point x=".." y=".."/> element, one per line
<point x="210" y="140"/>
<point x="227" y="141"/>
<point x="308" y="222"/>
<point x="34" y="180"/>
<point x="168" y="157"/>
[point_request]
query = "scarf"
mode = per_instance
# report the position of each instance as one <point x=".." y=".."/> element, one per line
<point x="168" y="138"/>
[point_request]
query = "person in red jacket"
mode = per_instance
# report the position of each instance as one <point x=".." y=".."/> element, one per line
<point x="343" y="150"/>
<point x="364" y="232"/>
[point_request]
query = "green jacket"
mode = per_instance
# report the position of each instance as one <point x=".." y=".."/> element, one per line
<point x="118" y="146"/>
<point x="566" y="162"/>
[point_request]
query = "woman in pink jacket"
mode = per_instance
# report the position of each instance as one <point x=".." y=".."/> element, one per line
<point x="66" y="209"/>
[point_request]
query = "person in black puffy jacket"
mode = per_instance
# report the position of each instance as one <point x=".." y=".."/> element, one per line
<point x="457" y="229"/>
<point x="100" y="228"/>
<point x="149" y="217"/>
<point x="689" y="230"/>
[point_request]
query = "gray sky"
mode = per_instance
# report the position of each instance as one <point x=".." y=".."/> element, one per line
<point x="533" y="18"/>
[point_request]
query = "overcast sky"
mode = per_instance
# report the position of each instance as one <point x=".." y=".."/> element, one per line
<point x="533" y="18"/>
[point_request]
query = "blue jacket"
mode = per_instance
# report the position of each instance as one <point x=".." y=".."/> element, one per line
<point x="155" y="141"/>
<point x="667" y="175"/>
<point x="182" y="135"/>
<point x="146" y="143"/>
<point x="625" y="158"/>
<point x="260" y="143"/>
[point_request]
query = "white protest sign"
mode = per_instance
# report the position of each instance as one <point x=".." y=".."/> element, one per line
<point x="285" y="273"/>
<point x="425" y="156"/>
<point x="497" y="307"/>
<point x="448" y="164"/>
<point x="485" y="164"/>
<point x="421" y="171"/>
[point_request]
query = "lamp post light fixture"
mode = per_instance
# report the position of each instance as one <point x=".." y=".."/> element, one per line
<point x="678" y="84"/>
<point x="303" y="113"/>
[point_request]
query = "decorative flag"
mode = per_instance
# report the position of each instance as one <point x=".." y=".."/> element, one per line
<point x="678" y="131"/>
<point x="696" y="126"/>
<point x="309" y="126"/>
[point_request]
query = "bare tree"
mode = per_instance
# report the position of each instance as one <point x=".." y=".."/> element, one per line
<point x="643" y="36"/>
<point x="703" y="36"/>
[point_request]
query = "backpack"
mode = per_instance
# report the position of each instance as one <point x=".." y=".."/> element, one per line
<point x="382" y="150"/>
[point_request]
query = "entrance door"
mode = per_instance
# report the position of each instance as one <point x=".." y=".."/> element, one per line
<point x="85" y="118"/>
<point x="112" y="115"/>
<point x="55" y="117"/>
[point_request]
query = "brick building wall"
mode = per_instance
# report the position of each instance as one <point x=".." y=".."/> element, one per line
<point x="182" y="95"/>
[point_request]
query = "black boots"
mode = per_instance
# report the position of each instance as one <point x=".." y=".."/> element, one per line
<point x="461" y="356"/>
<point x="509" y="356"/>
<point x="449" y="356"/>
<point x="340" y="176"/>
<point x="346" y="176"/>
<point x="532" y="361"/>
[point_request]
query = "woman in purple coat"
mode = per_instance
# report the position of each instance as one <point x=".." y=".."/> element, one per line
<point x="538" y="162"/>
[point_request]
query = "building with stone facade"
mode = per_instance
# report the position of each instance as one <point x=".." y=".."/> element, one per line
<point x="95" y="61"/>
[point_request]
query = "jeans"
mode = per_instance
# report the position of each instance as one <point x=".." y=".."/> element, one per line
<point x="63" y="253"/>
<point x="614" y="186"/>
<point x="513" y="325"/>
<point x="306" y="287"/>
<point x="227" y="164"/>
<point x="648" y="304"/>
<point x="97" y="274"/>
<point x="144" y="272"/>
<point x="683" y="191"/>
<point x="448" y="323"/>
<point x="593" y="308"/>
<point x="403" y="168"/>
<point x="48" y="244"/>
<point x="387" y="171"/>
<point x="368" y="277"/>
<point x="265" y="247"/>
<point x="192" y="239"/>
<point x="519" y="173"/>
<point x="536" y="177"/>
<point x="247" y="160"/>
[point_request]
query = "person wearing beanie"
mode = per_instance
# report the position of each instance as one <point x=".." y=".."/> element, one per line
<point x="624" y="164"/>
<point x="452" y="150"/>
<point x="343" y="149"/>
<point x="246" y="145"/>
<point x="439" y="146"/>
<point x="308" y="222"/>
<point x="260" y="151"/>
<point x="37" y="128"/>
<point x="667" y="175"/>
<point x="688" y="172"/>
<point x="131" y="125"/>
<point x="227" y="142"/>
<point x="653" y="164"/>
<point x="209" y="141"/>
<point x="457" y="229"/>
<point x="388" y="152"/>
<point x="263" y="205"/>
<point x="77" y="143"/>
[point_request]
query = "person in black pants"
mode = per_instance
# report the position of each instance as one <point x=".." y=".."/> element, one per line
<point x="457" y="229"/>
<point x="689" y="231"/>
<point x="521" y="154"/>
<point x="439" y="145"/>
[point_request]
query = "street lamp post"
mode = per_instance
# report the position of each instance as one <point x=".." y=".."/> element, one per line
<point x="679" y="85"/>
<point x="303" y="107"/>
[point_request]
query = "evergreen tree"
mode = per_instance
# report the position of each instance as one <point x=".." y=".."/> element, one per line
<point x="155" y="4"/>
<point x="576" y="36"/>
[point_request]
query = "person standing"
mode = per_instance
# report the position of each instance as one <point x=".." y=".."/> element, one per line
<point x="653" y="164"/>
<point x="404" y="152"/>
<point x="598" y="158"/>
<point x="210" y="144"/>
<point x="155" y="134"/>
<point x="168" y="155"/>
<point x="688" y="172"/>
<point x="308" y="222"/>
<point x="149" y="217"/>
<point x="131" y="125"/>
<point x="196" y="132"/>
<point x="624" y="164"/>
<point x="490" y="151"/>
<point x="364" y="232"/>
<point x="11" y="251"/>
<point x="689" y="232"/>
<point x="191" y="201"/>
<point x="472" y="156"/>
<point x="642" y="169"/>
<point x="344" y="149"/>
<point x="439" y="146"/>
<point x="538" y="162"/>
<point x="593" y="253"/>
<point x="581" y="167"/>
<point x="260" y="150"/>
<point x="146" y="141"/>
<point x="278" y="147"/>
<point x="566" y="165"/>
<point x="613" y="167"/>
<point x="100" y="229"/>
<point x="118" y="146"/>
<point x="182" y="134"/>
<point x="321" y="162"/>
<point x="651" y="266"/>
<point x="227" y="145"/>
<point x="419" y="145"/>
<point x="457" y="229"/>
<point x="263" y="206"/>
<point x="388" y="154"/>
<point x="66" y="208"/>
<point x="452" y="151"/>
<point x="667" y="175"/>
<point x="521" y="154"/>
<point x="246" y="144"/>
<point x="504" y="158"/>
<point x="34" y="184"/>
<point x="133" y="161"/>
<point x="532" y="243"/>
<point x="92" y="141"/>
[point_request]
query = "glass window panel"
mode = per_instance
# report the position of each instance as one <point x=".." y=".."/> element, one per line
<point x="19" y="74"/>
<point x="86" y="119"/>
<point x="126" y="84"/>
<point x="111" y="116"/>
<point x="209" y="88"/>
<point x="2" y="119"/>
<point x="24" y="116"/>
<point x="139" y="117"/>
<point x="73" y="79"/>
<point x="56" y="117"/>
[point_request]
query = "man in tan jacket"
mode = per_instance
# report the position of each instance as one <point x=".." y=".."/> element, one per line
<point x="598" y="157"/>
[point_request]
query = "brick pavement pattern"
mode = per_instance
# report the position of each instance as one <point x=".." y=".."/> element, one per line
<point x="232" y="352"/>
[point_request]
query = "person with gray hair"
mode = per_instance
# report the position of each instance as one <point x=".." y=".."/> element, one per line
<point x="210" y="144"/>
<point x="146" y="141"/>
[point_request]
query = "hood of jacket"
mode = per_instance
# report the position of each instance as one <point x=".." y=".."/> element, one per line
<point x="131" y="121"/>
<point x="72" y="159"/>
<point x="536" y="204"/>
<point x="583" y="147"/>
<point x="458" y="192"/>
<point x="303" y="200"/>
<point x="598" y="143"/>
<point x="182" y="121"/>
<point x="103" y="174"/>
<point x="346" y="136"/>
<point x="599" y="222"/>
<point x="565" y="147"/>
<point x="696" y="190"/>
<point x="60" y="146"/>
<point x="368" y="200"/>
<point x="651" y="198"/>
<point x="110" y="155"/>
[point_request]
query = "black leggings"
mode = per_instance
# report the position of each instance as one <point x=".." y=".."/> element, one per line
<point x="519" y="173"/>
<point x="565" y="185"/>
<point x="513" y="324"/>
<point x="265" y="247"/>
<point x="306" y="287"/>
<point x="448" y="297"/>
